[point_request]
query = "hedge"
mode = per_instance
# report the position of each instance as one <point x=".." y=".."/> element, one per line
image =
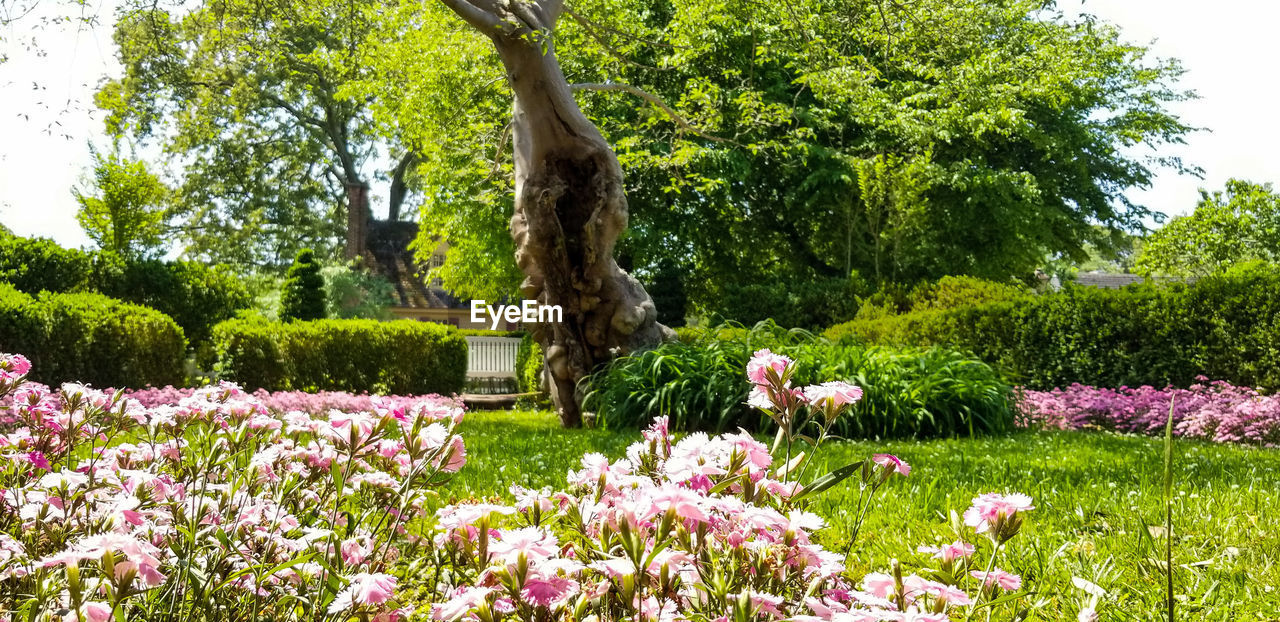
<point x="401" y="357"/>
<point x="529" y="361"/>
<point x="91" y="338"/>
<point x="1226" y="327"/>
<point x="701" y="385"/>
<point x="196" y="296"/>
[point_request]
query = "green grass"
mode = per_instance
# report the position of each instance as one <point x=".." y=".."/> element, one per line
<point x="1099" y="510"/>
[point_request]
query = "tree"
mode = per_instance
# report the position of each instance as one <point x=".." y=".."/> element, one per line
<point x="900" y="141"/>
<point x="303" y="294"/>
<point x="247" y="97"/>
<point x="125" y="211"/>
<point x="1238" y="224"/>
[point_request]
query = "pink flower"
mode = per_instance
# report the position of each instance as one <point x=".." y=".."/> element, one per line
<point x="1087" y="614"/>
<point x="999" y="578"/>
<point x="832" y="394"/>
<point x="97" y="611"/>
<point x="991" y="512"/>
<point x="534" y="542"/>
<point x="949" y="552"/>
<point x="548" y="591"/>
<point x="763" y="361"/>
<point x="892" y="464"/>
<point x="463" y="600"/>
<point x="364" y="589"/>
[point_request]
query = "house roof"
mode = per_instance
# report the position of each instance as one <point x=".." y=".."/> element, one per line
<point x="387" y="254"/>
<point x="1115" y="280"/>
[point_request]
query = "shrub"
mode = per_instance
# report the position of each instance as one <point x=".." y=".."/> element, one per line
<point x="1213" y="411"/>
<point x="195" y="295"/>
<point x="399" y="357"/>
<point x="352" y="292"/>
<point x="1226" y="326"/>
<point x="529" y="363"/>
<point x="222" y="510"/>
<point x="303" y="296"/>
<point x="92" y="338"/>
<point x="802" y="304"/>
<point x="907" y="393"/>
<point x="33" y="265"/>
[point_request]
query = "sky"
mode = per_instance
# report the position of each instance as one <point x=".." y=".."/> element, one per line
<point x="1227" y="47"/>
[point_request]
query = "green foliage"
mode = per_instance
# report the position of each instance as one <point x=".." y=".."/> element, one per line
<point x="303" y="296"/>
<point x="1096" y="480"/>
<point x="352" y="293"/>
<point x="124" y="212"/>
<point x="900" y="140"/>
<point x="951" y="292"/>
<point x="196" y="296"/>
<point x="809" y="304"/>
<point x="701" y="385"/>
<point x="529" y="362"/>
<point x="1226" y="327"/>
<point x="666" y="287"/>
<point x="90" y="338"/>
<point x="1228" y="227"/>
<point x="39" y="264"/>
<point x="400" y="357"/>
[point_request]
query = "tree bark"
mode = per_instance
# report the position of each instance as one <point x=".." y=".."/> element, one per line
<point x="570" y="208"/>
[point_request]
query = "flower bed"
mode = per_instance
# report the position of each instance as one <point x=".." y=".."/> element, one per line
<point x="217" y="507"/>
<point x="1214" y="411"/>
<point x="212" y="506"/>
<point x="318" y="403"/>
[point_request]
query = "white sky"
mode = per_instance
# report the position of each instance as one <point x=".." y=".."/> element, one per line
<point x="1226" y="47"/>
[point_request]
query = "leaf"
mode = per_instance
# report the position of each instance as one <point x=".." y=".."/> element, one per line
<point x="830" y="479"/>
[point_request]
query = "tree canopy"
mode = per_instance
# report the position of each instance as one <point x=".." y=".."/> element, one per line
<point x="125" y="210"/>
<point x="1237" y="224"/>
<point x="901" y="141"/>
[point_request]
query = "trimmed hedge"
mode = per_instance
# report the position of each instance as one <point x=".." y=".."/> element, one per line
<point x="1226" y="327"/>
<point x="401" y="357"/>
<point x="91" y="338"/>
<point x="196" y="296"/>
<point x="701" y="385"/>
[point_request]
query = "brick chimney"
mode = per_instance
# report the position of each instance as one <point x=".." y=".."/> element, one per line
<point x="357" y="219"/>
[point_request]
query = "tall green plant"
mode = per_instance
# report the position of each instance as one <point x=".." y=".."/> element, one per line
<point x="699" y="385"/>
<point x="303" y="295"/>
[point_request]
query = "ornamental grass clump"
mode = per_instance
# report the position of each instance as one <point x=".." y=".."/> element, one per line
<point x="212" y="507"/>
<point x="716" y="528"/>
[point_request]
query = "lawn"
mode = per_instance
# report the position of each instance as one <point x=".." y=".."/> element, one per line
<point x="1098" y="515"/>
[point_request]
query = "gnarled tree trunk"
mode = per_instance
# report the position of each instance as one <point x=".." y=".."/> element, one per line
<point x="570" y="206"/>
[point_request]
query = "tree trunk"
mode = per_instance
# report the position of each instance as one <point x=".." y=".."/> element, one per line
<point x="570" y="208"/>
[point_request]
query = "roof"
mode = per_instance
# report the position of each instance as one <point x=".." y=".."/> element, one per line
<point x="387" y="254"/>
<point x="1115" y="280"/>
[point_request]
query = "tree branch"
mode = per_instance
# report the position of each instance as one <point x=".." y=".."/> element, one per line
<point x="594" y="32"/>
<point x="484" y="21"/>
<point x="676" y="118"/>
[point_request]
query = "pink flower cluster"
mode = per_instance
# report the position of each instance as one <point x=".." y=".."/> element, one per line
<point x="285" y="401"/>
<point x="703" y="528"/>
<point x="1214" y="411"/>
<point x="214" y="502"/>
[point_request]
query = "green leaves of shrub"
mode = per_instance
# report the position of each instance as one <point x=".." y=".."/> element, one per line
<point x="700" y="385"/>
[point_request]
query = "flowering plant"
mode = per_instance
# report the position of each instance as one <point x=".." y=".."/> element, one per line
<point x="210" y="507"/>
<point x="708" y="528"/>
<point x="1213" y="411"/>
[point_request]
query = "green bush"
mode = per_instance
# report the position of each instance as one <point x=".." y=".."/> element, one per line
<point x="529" y="365"/>
<point x="399" y="357"/>
<point x="33" y="265"/>
<point x="195" y="295"/>
<point x="91" y="338"/>
<point x="303" y="296"/>
<point x="701" y="385"/>
<point x="1226" y="327"/>
<point x="805" y="304"/>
